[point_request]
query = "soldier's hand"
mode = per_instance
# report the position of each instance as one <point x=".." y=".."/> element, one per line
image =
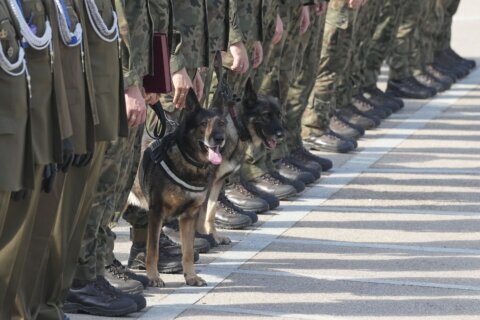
<point x="82" y="160"/>
<point x="321" y="8"/>
<point x="278" y="30"/>
<point x="68" y="155"/>
<point x="304" y="20"/>
<point x="152" y="98"/>
<point x="257" y="54"/>
<point x="136" y="108"/>
<point x="19" y="195"/>
<point x="48" y="179"/>
<point x="240" y="58"/>
<point x="198" y="85"/>
<point x="181" y="83"/>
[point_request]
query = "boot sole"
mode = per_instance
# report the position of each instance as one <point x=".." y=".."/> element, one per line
<point x="226" y="226"/>
<point x="75" y="308"/>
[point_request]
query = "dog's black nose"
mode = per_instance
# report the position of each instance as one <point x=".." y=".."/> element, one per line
<point x="218" y="138"/>
<point x="279" y="134"/>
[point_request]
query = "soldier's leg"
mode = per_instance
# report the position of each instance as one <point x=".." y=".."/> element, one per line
<point x="71" y="228"/>
<point x="14" y="239"/>
<point x="130" y="154"/>
<point x="400" y="60"/>
<point x="383" y="38"/>
<point x="30" y="293"/>
<point x="315" y="122"/>
<point x="451" y="7"/>
<point x="56" y="261"/>
<point x="302" y="86"/>
<point x="103" y="201"/>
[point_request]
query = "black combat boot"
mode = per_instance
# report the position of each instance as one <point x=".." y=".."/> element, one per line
<point x="292" y="172"/>
<point x="229" y="216"/>
<point x="273" y="202"/>
<point x="123" y="279"/>
<point x="92" y="298"/>
<point x="271" y="185"/>
<point x="244" y="199"/>
<point x="405" y="88"/>
<point x="137" y="298"/>
<point x="202" y="243"/>
<point x="302" y="153"/>
<point x="330" y="142"/>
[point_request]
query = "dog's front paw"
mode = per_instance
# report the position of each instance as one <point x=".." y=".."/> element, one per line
<point x="155" y="282"/>
<point x="222" y="240"/>
<point x="195" y="281"/>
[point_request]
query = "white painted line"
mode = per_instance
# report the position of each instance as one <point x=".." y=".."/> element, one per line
<point x="424" y="171"/>
<point x="378" y="246"/>
<point x="358" y="279"/>
<point x="180" y="300"/>
<point x="377" y="210"/>
<point x="264" y="313"/>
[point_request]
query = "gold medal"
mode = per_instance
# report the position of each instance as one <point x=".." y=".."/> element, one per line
<point x="3" y="34"/>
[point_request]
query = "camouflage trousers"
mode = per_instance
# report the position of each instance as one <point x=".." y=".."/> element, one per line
<point x="429" y="26"/>
<point x="443" y="38"/>
<point x="329" y="85"/>
<point x="364" y="27"/>
<point x="281" y="65"/>
<point x="308" y="58"/>
<point x="116" y="178"/>
<point x="386" y="26"/>
<point x="405" y="49"/>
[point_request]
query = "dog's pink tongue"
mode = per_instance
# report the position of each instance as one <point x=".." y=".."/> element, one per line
<point x="214" y="155"/>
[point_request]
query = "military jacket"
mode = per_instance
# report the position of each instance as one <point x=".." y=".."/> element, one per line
<point x="102" y="55"/>
<point x="190" y="38"/>
<point x="248" y="15"/>
<point x="218" y="24"/>
<point x="15" y="140"/>
<point x="79" y="96"/>
<point x="50" y="119"/>
<point x="139" y="20"/>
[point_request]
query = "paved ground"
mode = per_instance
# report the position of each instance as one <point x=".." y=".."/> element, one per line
<point x="392" y="232"/>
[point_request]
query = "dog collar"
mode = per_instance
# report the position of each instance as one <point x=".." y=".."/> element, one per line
<point x="190" y="159"/>
<point x="179" y="181"/>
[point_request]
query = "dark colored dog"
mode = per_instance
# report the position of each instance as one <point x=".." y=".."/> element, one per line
<point x="175" y="178"/>
<point x="257" y="122"/>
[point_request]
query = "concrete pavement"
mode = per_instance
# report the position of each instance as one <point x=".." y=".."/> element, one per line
<point x="393" y="232"/>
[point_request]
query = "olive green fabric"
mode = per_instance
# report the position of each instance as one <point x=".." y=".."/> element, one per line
<point x="14" y="135"/>
<point x="302" y="86"/>
<point x="387" y="22"/>
<point x="31" y="293"/>
<point x="404" y="46"/>
<point x="334" y="57"/>
<point x="17" y="230"/>
<point x="190" y="40"/>
<point x="444" y="37"/>
<point x="364" y="29"/>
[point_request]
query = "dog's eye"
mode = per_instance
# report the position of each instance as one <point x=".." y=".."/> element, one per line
<point x="222" y="123"/>
<point x="204" y="123"/>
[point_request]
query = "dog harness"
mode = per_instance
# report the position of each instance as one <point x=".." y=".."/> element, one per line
<point x="158" y="150"/>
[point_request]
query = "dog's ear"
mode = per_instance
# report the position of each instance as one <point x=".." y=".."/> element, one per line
<point x="192" y="103"/>
<point x="250" y="96"/>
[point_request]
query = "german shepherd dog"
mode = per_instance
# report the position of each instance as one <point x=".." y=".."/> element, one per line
<point x="253" y="120"/>
<point x="174" y="178"/>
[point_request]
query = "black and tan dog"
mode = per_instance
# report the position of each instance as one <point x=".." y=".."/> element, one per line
<point x="175" y="178"/>
<point x="253" y="120"/>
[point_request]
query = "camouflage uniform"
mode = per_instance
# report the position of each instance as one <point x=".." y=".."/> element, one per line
<point x="444" y="36"/>
<point x="404" y="47"/>
<point x="255" y="164"/>
<point x="302" y="86"/>
<point x="362" y="42"/>
<point x="387" y="21"/>
<point x="425" y="36"/>
<point x="334" y="56"/>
